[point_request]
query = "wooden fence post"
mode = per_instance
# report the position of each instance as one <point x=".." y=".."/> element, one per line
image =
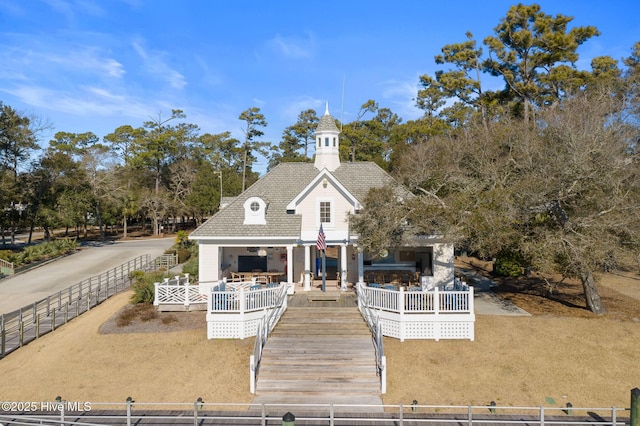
<point x="37" y="326"/>
<point x="634" y="418"/>
<point x="53" y="320"/>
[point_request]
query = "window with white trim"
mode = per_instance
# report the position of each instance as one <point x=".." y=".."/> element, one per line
<point x="325" y="211"/>
<point x="255" y="211"/>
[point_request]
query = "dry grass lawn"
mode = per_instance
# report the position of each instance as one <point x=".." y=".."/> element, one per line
<point x="561" y="352"/>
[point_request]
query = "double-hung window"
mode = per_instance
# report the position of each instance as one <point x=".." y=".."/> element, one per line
<point x="325" y="211"/>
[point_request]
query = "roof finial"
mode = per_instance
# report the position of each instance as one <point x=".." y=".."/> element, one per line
<point x="326" y="111"/>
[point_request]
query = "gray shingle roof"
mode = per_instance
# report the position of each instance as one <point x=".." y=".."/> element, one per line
<point x="327" y="124"/>
<point x="278" y="188"/>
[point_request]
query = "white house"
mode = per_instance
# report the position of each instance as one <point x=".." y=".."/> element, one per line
<point x="273" y="225"/>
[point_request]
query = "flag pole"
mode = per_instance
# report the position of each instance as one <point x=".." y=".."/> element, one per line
<point x="324" y="272"/>
<point x="321" y="244"/>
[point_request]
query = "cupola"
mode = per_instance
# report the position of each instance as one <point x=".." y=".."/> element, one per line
<point x="327" y="143"/>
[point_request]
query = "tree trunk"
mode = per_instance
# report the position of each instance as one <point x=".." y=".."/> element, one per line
<point x="100" y="224"/>
<point x="591" y="295"/>
<point x="124" y="226"/>
<point x="244" y="167"/>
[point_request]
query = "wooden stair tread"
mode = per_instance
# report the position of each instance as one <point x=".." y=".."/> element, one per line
<point x="320" y="352"/>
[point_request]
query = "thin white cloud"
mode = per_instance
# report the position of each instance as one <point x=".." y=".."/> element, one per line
<point x="155" y="63"/>
<point x="87" y="59"/>
<point x="292" y="47"/>
<point x="43" y="59"/>
<point x="292" y="109"/>
<point x="12" y="8"/>
<point x="402" y="95"/>
<point x="88" y="102"/>
<point x="90" y="7"/>
<point x="259" y="102"/>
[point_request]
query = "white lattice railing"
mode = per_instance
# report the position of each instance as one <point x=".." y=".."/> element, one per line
<point x="178" y="291"/>
<point x="244" y="299"/>
<point x="435" y="301"/>
<point x="435" y="314"/>
<point x="235" y="311"/>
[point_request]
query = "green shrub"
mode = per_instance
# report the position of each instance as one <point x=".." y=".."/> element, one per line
<point x="8" y="255"/>
<point x="183" y="255"/>
<point x="191" y="267"/>
<point x="508" y="264"/>
<point x="44" y="251"/>
<point x="143" y="286"/>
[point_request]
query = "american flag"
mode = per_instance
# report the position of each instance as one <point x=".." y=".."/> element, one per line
<point x="321" y="244"/>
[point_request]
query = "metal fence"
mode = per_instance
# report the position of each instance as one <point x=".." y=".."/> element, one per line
<point x="6" y="268"/>
<point x="202" y="413"/>
<point x="166" y="261"/>
<point x="21" y="326"/>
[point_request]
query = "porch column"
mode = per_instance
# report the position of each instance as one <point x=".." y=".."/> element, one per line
<point x="307" y="268"/>
<point x="290" y="264"/>
<point x="343" y="267"/>
<point x="360" y="266"/>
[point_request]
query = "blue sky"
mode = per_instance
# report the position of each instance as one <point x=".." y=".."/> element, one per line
<point x="93" y="65"/>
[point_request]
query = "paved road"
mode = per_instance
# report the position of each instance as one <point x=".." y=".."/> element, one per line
<point x="36" y="284"/>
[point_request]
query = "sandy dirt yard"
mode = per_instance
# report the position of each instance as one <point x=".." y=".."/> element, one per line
<point x="561" y="353"/>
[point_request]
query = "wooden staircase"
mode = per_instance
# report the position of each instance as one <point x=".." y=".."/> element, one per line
<point x="319" y="355"/>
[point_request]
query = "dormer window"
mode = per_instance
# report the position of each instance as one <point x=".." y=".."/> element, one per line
<point x="255" y="211"/>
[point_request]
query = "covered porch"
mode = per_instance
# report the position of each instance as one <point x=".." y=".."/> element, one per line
<point x="299" y="263"/>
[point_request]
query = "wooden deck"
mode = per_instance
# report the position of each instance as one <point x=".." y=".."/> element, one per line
<point x="318" y="299"/>
<point x="333" y="297"/>
<point x="319" y="354"/>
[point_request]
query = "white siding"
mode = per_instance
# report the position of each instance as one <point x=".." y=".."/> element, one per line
<point x="309" y="209"/>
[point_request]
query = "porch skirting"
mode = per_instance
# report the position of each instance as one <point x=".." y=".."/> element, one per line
<point x="427" y="326"/>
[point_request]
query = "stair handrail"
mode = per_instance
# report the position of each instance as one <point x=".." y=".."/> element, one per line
<point x="266" y="325"/>
<point x="381" y="359"/>
<point x="373" y="321"/>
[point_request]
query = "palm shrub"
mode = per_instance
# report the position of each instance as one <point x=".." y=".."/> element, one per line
<point x="41" y="251"/>
<point x="8" y="255"/>
<point x="143" y="286"/>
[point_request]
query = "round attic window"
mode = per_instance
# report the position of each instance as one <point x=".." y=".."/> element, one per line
<point x="255" y="206"/>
